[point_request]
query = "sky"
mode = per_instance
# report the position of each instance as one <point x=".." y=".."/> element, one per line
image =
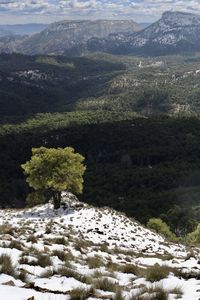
<point x="47" y="11"/>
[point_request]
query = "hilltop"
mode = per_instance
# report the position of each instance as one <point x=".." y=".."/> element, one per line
<point x="99" y="253"/>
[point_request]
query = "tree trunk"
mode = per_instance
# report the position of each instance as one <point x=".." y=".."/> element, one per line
<point x="56" y="199"/>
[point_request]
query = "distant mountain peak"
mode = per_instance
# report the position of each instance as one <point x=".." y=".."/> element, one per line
<point x="174" y="32"/>
<point x="173" y="13"/>
<point x="181" y="18"/>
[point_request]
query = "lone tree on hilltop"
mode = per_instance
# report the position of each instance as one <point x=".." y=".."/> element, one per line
<point x="52" y="171"/>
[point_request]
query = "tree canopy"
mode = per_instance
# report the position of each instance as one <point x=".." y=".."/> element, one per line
<point x="52" y="171"/>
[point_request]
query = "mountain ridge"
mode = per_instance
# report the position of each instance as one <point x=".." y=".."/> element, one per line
<point x="63" y="36"/>
<point x="174" y="32"/>
<point x="170" y="34"/>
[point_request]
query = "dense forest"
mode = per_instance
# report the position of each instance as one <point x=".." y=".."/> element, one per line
<point x="148" y="87"/>
<point x="30" y="85"/>
<point x="136" y="120"/>
<point x="142" y="166"/>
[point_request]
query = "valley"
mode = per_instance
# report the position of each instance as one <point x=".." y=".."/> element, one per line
<point x="135" y="119"/>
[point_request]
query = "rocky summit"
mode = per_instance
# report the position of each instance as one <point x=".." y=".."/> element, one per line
<point x="174" y="32"/>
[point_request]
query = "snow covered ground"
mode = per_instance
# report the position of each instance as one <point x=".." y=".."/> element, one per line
<point x="90" y="252"/>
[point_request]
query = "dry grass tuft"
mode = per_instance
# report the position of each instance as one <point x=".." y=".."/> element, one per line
<point x="106" y="285"/>
<point x="157" y="272"/>
<point x="81" y="293"/>
<point x="7" y="265"/>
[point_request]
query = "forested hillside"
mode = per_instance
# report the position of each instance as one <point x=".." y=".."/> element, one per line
<point x="146" y="86"/>
<point x="136" y="120"/>
<point x="29" y="85"/>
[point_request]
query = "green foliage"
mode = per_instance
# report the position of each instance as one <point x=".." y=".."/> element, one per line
<point x="152" y="101"/>
<point x="55" y="170"/>
<point x="144" y="167"/>
<point x="161" y="227"/>
<point x="182" y="219"/>
<point x="54" y="61"/>
<point x="35" y="198"/>
<point x="45" y="123"/>
<point x="194" y="237"/>
<point x="50" y="84"/>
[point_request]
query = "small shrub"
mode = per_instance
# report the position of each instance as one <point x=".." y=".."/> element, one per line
<point x="161" y="227"/>
<point x="157" y="272"/>
<point x="129" y="268"/>
<point x="16" y="245"/>
<point x="158" y="292"/>
<point x="64" y="271"/>
<point x="194" y="237"/>
<point x="32" y="239"/>
<point x="32" y="251"/>
<point x="23" y="276"/>
<point x="118" y="295"/>
<point x="65" y="256"/>
<point x="80" y="244"/>
<point x="60" y="254"/>
<point x="7" y="265"/>
<point x="43" y="260"/>
<point x="106" y="285"/>
<point x="60" y="241"/>
<point x="177" y="291"/>
<point x="152" y="293"/>
<point x="6" y="229"/>
<point x="112" y="267"/>
<point x="104" y="248"/>
<point x="98" y="274"/>
<point x="161" y="294"/>
<point x="81" y="293"/>
<point x="95" y="262"/>
<point x="48" y="230"/>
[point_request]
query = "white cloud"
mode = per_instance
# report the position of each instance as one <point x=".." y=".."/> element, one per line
<point x="51" y="10"/>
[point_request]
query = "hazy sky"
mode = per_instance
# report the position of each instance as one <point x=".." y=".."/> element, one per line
<point x="46" y="11"/>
